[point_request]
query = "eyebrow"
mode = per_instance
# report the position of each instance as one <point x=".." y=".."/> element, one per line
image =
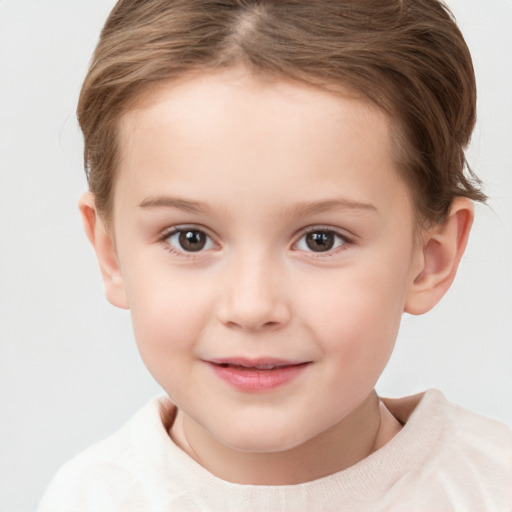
<point x="313" y="207"/>
<point x="173" y="202"/>
<point x="297" y="210"/>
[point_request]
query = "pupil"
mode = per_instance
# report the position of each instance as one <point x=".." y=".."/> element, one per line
<point x="192" y="240"/>
<point x="320" y="241"/>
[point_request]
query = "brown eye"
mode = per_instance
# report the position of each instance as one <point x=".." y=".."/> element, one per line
<point x="192" y="241"/>
<point x="189" y="240"/>
<point x="320" y="241"/>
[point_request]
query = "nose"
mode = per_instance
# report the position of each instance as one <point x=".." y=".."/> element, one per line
<point x="254" y="296"/>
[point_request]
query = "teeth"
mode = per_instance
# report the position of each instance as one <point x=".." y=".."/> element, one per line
<point x="265" y="367"/>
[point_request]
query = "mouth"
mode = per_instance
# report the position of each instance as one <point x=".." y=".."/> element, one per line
<point x="256" y="364"/>
<point x="257" y="375"/>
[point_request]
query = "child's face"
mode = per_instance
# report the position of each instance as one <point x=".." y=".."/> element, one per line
<point x="262" y="223"/>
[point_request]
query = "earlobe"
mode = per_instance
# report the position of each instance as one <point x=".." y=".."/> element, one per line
<point x="105" y="250"/>
<point x="442" y="250"/>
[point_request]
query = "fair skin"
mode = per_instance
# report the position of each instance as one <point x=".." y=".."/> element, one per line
<point x="266" y="247"/>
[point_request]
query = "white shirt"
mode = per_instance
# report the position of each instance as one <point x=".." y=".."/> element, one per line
<point x="444" y="459"/>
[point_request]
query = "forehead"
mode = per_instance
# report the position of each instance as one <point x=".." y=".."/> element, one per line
<point x="230" y="132"/>
<point x="238" y="96"/>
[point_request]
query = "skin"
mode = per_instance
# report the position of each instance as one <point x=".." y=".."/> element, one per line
<point x="254" y="163"/>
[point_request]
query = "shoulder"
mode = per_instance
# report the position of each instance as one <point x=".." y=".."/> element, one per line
<point x="111" y="473"/>
<point x="469" y="458"/>
<point x="456" y="427"/>
<point x="474" y="457"/>
<point x="480" y="445"/>
<point x="478" y="440"/>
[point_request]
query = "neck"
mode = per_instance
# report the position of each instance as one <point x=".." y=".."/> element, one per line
<point x="352" y="439"/>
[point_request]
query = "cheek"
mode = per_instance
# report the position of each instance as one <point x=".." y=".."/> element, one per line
<point x="169" y="311"/>
<point x="356" y="315"/>
<point x="360" y="301"/>
<point x="357" y="333"/>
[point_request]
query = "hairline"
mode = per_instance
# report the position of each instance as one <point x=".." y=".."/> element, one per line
<point x="141" y="98"/>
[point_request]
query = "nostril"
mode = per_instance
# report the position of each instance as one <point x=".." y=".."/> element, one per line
<point x="250" y="326"/>
<point x="253" y="312"/>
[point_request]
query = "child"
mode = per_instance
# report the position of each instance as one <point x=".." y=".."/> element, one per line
<point x="272" y="184"/>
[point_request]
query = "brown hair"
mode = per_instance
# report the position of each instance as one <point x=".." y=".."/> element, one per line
<point x="406" y="56"/>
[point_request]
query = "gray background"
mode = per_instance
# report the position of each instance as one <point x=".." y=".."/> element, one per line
<point x="70" y="373"/>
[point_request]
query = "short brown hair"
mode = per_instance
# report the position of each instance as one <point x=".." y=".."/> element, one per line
<point x="406" y="56"/>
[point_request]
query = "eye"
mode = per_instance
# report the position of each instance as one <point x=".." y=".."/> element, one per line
<point x="189" y="240"/>
<point x="321" y="240"/>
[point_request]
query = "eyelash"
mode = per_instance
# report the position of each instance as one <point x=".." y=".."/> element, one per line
<point x="345" y="241"/>
<point x="182" y="229"/>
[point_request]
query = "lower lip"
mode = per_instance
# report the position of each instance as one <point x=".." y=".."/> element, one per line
<point x="253" y="380"/>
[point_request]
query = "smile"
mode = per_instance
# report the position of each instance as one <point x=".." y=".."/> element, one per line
<point x="259" y="375"/>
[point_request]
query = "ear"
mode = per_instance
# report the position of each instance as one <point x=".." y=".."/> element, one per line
<point x="442" y="248"/>
<point x="105" y="250"/>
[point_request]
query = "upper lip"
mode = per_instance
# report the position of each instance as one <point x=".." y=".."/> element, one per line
<point x="260" y="362"/>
